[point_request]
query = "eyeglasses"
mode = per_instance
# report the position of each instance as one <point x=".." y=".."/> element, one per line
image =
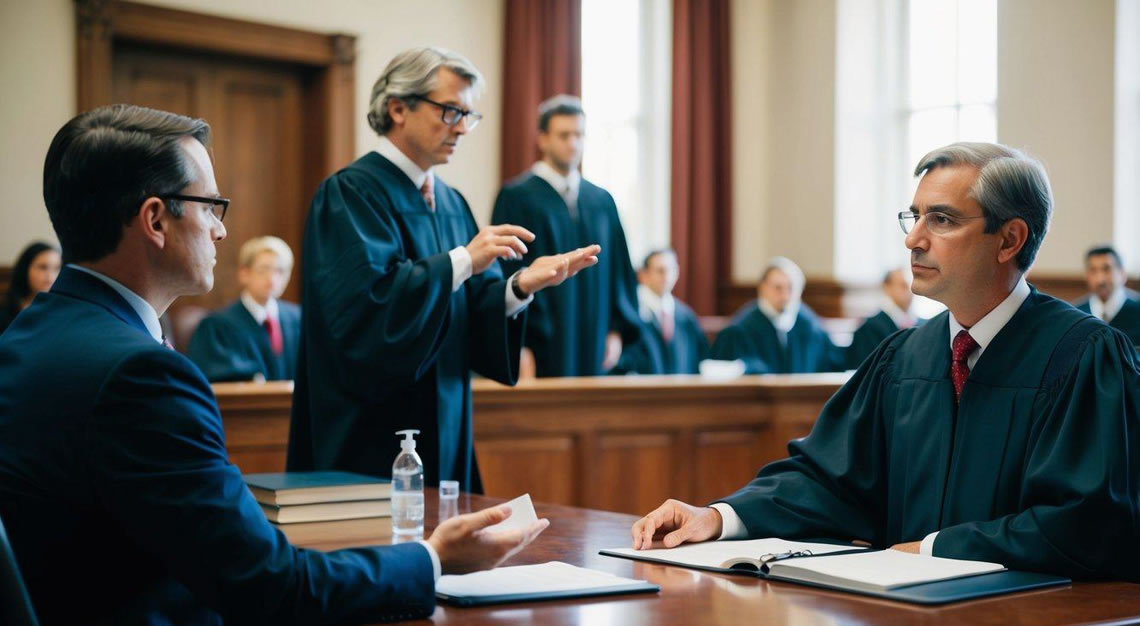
<point x="452" y="114"/>
<point x="937" y="222"/>
<point x="218" y="206"/>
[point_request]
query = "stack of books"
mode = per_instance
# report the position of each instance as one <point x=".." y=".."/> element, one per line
<point x="288" y="497"/>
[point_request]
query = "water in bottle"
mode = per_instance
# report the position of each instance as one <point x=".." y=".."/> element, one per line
<point x="407" y="491"/>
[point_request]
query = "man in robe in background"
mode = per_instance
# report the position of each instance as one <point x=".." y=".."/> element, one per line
<point x="894" y="316"/>
<point x="403" y="296"/>
<point x="1005" y="429"/>
<point x="580" y="327"/>
<point x="777" y="333"/>
<point x="256" y="337"/>
<point x="1109" y="300"/>
<point x="672" y="341"/>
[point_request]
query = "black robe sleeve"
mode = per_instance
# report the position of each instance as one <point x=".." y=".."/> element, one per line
<point x="732" y="344"/>
<point x="495" y="341"/>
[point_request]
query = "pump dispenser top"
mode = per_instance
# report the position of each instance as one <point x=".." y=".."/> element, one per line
<point x="408" y="443"/>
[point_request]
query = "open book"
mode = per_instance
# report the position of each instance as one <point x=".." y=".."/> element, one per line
<point x="884" y="573"/>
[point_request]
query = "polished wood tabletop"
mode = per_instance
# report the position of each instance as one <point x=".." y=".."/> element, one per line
<point x="693" y="597"/>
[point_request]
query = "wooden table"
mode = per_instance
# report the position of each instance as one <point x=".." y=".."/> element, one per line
<point x="692" y="597"/>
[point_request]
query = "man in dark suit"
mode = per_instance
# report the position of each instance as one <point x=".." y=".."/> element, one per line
<point x="256" y="337"/>
<point x="115" y="488"/>
<point x="1109" y="300"/>
<point x="894" y="316"/>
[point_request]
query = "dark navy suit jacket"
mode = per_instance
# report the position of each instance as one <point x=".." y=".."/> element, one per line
<point x="120" y="502"/>
<point x="230" y="345"/>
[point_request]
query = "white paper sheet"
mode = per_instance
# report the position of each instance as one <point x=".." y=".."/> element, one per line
<point x="522" y="515"/>
<point x="548" y="577"/>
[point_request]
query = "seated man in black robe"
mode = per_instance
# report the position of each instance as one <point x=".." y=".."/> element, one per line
<point x="255" y="338"/>
<point x="580" y="327"/>
<point x="894" y="316"/>
<point x="1108" y="299"/>
<point x="1006" y="429"/>
<point x="403" y="296"/>
<point x="777" y="333"/>
<point x="672" y="341"/>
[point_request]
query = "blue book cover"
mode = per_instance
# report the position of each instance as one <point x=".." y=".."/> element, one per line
<point x="285" y="488"/>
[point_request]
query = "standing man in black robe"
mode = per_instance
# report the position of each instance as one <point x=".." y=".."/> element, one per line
<point x="1006" y="429"/>
<point x="1109" y="300"/>
<point x="777" y="333"/>
<point x="894" y="316"/>
<point x="579" y="328"/>
<point x="403" y="296"/>
<point x="672" y="341"/>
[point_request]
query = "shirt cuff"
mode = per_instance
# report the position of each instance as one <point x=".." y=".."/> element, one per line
<point x="460" y="266"/>
<point x="926" y="548"/>
<point x="436" y="569"/>
<point x="731" y="526"/>
<point x="514" y="305"/>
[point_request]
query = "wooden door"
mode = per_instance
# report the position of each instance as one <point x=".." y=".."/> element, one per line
<point x="255" y="111"/>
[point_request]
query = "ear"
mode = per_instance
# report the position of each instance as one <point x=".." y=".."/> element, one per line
<point x="1014" y="234"/>
<point x="398" y="111"/>
<point x="153" y="219"/>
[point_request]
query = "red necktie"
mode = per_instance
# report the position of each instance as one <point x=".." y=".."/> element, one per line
<point x="428" y="191"/>
<point x="666" y="321"/>
<point x="166" y="343"/>
<point x="963" y="346"/>
<point x="273" y="329"/>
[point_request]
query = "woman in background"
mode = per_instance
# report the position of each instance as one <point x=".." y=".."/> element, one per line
<point x="35" y="271"/>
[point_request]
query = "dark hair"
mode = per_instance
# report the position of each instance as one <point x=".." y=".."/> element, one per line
<point x="657" y="252"/>
<point x="1109" y="250"/>
<point x="558" y="105"/>
<point x="103" y="164"/>
<point x="20" y="288"/>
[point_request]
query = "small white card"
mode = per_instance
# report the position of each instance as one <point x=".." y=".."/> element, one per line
<point x="522" y="515"/>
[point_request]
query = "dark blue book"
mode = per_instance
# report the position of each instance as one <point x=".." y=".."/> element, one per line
<point x="290" y="488"/>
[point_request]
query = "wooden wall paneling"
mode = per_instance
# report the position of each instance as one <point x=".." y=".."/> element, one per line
<point x="543" y="466"/>
<point x="255" y="418"/>
<point x="637" y="472"/>
<point x="725" y="460"/>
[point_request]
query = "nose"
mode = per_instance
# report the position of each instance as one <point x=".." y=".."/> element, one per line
<point x="916" y="238"/>
<point x="219" y="232"/>
<point x="461" y="127"/>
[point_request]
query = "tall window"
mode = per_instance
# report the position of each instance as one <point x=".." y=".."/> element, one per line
<point x="626" y="95"/>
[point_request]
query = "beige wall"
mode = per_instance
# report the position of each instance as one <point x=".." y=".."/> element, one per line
<point x="43" y="30"/>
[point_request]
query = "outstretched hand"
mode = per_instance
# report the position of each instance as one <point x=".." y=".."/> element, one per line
<point x="464" y="546"/>
<point x="674" y="523"/>
<point x="549" y="271"/>
<point x="502" y="241"/>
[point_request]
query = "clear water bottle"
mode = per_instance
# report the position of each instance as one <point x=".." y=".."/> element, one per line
<point x="407" y="491"/>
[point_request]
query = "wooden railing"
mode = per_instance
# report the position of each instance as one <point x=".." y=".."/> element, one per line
<point x="617" y="444"/>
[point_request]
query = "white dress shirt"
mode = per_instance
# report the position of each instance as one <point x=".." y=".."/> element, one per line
<point x="1107" y="310"/>
<point x="143" y="308"/>
<point x="258" y="312"/>
<point x="652" y="306"/>
<point x="901" y="318"/>
<point x="732" y="527"/>
<point x="782" y="321"/>
<point x="566" y="186"/>
<point x="461" y="264"/>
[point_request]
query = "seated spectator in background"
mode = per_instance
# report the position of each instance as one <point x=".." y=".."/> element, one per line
<point x="894" y="316"/>
<point x="34" y="272"/>
<point x="777" y="333"/>
<point x="671" y="338"/>
<point x="1108" y="299"/>
<point x="256" y="337"/>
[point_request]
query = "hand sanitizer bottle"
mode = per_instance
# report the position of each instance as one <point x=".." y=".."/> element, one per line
<point x="407" y="491"/>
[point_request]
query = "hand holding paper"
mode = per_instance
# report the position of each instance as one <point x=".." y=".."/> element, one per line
<point x="475" y="541"/>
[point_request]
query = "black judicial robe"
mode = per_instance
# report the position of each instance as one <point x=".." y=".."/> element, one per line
<point x="1036" y="469"/>
<point x="752" y="338"/>
<point x="385" y="344"/>
<point x="568" y="324"/>
<point x="868" y="337"/>
<point x="682" y="354"/>
<point x="1127" y="320"/>
<point x="230" y="345"/>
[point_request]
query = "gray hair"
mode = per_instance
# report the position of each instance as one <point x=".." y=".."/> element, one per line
<point x="1010" y="185"/>
<point x="790" y="269"/>
<point x="415" y="72"/>
<point x="562" y="104"/>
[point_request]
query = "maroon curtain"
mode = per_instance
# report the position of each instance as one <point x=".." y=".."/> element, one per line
<point x="542" y="58"/>
<point x="702" y="150"/>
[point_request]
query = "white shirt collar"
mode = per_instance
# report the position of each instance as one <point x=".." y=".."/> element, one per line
<point x="142" y="308"/>
<point x="566" y="186"/>
<point x="901" y="318"/>
<point x="388" y="150"/>
<point x="651" y="305"/>
<point x="1107" y="310"/>
<point x="259" y="313"/>
<point x="782" y="321"/>
<point x="989" y="326"/>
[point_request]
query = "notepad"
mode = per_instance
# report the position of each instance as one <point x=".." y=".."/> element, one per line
<point x="524" y="583"/>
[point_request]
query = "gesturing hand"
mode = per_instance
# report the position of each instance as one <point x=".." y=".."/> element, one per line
<point x="548" y="271"/>
<point x="678" y="523"/>
<point x="464" y="546"/>
<point x="503" y="241"/>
